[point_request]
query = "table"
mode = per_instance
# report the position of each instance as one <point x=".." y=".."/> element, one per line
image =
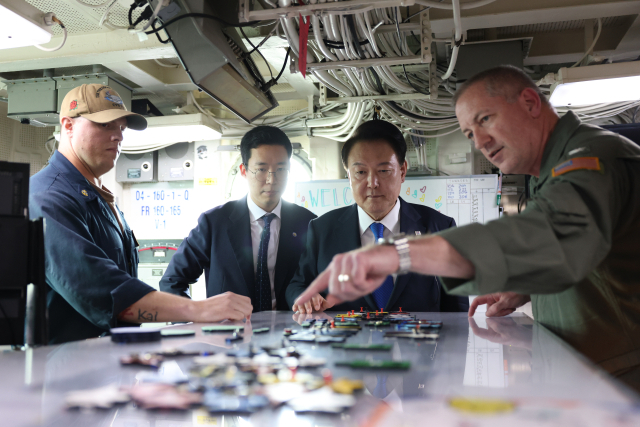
<point x="508" y="358"/>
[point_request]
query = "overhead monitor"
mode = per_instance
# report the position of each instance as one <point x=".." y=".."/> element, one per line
<point x="213" y="56"/>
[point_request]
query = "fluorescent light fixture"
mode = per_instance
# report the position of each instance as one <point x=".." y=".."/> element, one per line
<point x="166" y="130"/>
<point x="22" y="25"/>
<point x="597" y="84"/>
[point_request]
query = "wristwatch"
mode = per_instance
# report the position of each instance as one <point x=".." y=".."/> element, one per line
<point x="401" y="242"/>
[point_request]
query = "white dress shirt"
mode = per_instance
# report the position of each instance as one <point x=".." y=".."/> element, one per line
<point x="257" y="225"/>
<point x="391" y="224"/>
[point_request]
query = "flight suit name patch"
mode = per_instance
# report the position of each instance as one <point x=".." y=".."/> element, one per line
<point x="588" y="163"/>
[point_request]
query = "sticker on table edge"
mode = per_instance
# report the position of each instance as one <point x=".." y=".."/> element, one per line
<point x="222" y="328"/>
<point x="134" y="334"/>
<point x="176" y="333"/>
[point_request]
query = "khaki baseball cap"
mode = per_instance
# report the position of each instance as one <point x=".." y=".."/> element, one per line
<point x="100" y="104"/>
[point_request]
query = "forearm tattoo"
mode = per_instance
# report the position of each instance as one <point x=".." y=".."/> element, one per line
<point x="149" y="317"/>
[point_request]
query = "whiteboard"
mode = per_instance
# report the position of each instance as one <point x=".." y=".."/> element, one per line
<point x="484" y="366"/>
<point x="162" y="208"/>
<point x="467" y="199"/>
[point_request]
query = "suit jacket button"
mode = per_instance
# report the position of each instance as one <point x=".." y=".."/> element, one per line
<point x="295" y="234"/>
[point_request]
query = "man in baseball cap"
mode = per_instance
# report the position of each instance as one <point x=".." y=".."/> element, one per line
<point x="90" y="251"/>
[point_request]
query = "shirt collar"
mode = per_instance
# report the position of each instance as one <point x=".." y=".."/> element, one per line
<point x="72" y="175"/>
<point x="256" y="212"/>
<point x="555" y="147"/>
<point x="389" y="221"/>
<point x="558" y="139"/>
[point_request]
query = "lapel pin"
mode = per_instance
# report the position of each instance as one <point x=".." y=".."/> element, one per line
<point x="84" y="193"/>
<point x="295" y="234"/>
<point x="418" y="233"/>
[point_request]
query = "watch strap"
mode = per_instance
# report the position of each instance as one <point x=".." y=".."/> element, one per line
<point x="404" y="256"/>
<point x="401" y="243"/>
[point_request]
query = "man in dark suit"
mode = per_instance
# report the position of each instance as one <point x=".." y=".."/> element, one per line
<point x="250" y="246"/>
<point x="374" y="159"/>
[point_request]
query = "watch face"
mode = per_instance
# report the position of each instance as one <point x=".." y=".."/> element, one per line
<point x="391" y="240"/>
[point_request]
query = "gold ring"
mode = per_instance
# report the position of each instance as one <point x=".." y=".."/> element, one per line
<point x="343" y="278"/>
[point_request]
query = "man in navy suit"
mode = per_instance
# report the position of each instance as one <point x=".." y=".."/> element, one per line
<point x="250" y="246"/>
<point x="374" y="159"/>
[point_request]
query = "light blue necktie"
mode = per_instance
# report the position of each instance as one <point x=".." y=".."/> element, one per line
<point x="380" y="391"/>
<point x="263" y="284"/>
<point x="383" y="293"/>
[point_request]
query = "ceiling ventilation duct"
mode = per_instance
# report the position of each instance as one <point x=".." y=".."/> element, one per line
<point x="213" y="55"/>
<point x="36" y="101"/>
<point x="476" y="57"/>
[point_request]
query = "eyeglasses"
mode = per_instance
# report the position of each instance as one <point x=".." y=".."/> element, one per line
<point x="261" y="174"/>
<point x="360" y="175"/>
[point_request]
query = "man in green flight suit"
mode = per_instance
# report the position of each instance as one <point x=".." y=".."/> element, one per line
<point x="575" y="249"/>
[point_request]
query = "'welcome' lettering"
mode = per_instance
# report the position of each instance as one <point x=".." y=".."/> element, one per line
<point x="322" y="203"/>
<point x="314" y="202"/>
<point x="344" y="196"/>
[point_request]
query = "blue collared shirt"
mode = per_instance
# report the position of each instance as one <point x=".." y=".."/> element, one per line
<point x="91" y="267"/>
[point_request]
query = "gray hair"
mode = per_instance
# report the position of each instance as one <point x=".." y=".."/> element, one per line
<point x="506" y="81"/>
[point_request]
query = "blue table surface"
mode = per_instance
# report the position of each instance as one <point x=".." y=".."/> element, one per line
<point x="506" y="358"/>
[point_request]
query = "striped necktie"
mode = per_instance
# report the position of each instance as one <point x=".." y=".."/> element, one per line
<point x="263" y="284"/>
<point x="383" y="293"/>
